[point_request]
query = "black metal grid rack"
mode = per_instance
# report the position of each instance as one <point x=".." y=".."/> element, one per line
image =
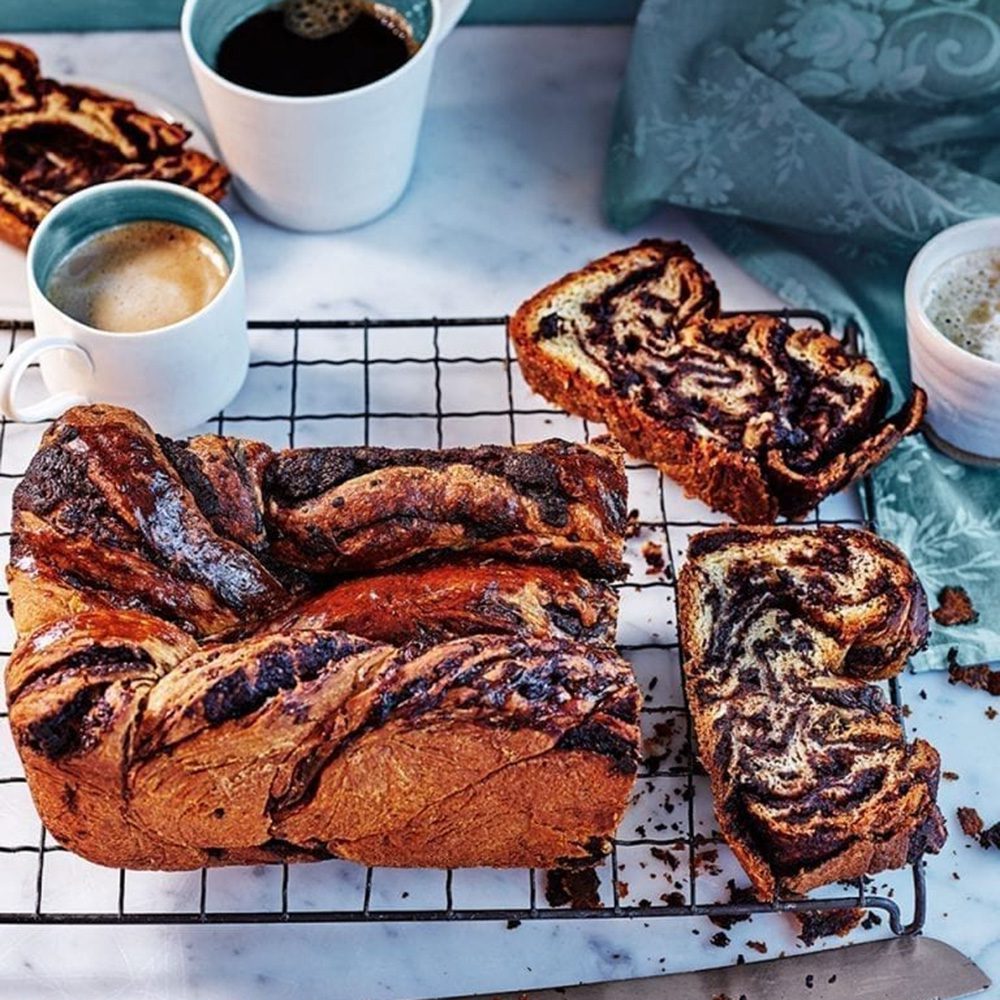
<point x="461" y="374"/>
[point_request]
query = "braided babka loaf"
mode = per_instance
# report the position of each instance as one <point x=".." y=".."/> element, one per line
<point x="783" y="629"/>
<point x="58" y="138"/>
<point x="198" y="682"/>
<point x="756" y="418"/>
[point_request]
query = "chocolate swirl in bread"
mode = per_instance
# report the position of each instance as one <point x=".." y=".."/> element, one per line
<point x="755" y="417"/>
<point x="184" y="694"/>
<point x="56" y="139"/>
<point x="462" y="597"/>
<point x="783" y="628"/>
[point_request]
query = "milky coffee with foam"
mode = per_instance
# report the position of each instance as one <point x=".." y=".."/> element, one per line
<point x="138" y="276"/>
<point x="962" y="300"/>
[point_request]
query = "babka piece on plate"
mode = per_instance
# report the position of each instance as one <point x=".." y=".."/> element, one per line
<point x="58" y="138"/>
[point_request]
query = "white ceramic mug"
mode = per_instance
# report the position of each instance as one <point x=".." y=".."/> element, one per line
<point x="317" y="163"/>
<point x="175" y="376"/>
<point x="963" y="389"/>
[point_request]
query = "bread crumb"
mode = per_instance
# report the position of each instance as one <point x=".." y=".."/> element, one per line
<point x="652" y="552"/>
<point x="816" y="924"/>
<point x="978" y="676"/>
<point x="954" y="607"/>
<point x="970" y="821"/>
<point x="632" y="524"/>
<point x="579" y="887"/>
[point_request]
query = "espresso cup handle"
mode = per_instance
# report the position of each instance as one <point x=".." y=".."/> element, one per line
<point x="13" y="369"/>
<point x="451" y="12"/>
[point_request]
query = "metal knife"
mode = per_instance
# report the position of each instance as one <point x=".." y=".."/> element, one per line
<point x="907" y="968"/>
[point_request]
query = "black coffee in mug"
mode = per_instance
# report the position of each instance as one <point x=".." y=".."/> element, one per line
<point x="269" y="52"/>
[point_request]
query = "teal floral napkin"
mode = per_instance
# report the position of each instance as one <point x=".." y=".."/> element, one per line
<point x="822" y="141"/>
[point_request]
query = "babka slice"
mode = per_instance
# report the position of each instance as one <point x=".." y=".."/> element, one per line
<point x="755" y="417"/>
<point x="783" y="629"/>
<point x="58" y="138"/>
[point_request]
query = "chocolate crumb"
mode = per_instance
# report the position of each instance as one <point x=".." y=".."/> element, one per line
<point x="652" y="552"/>
<point x="991" y="836"/>
<point x="809" y="981"/>
<point x="632" y="524"/>
<point x="578" y="887"/>
<point x="720" y="939"/>
<point x="663" y="854"/>
<point x="738" y="895"/>
<point x="816" y="924"/>
<point x="970" y="821"/>
<point x="758" y="946"/>
<point x="990" y="713"/>
<point x="954" y="607"/>
<point x="949" y="775"/>
<point x="978" y="676"/>
<point x="512" y="925"/>
<point x="872" y="920"/>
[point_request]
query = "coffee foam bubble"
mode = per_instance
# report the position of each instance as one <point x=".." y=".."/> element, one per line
<point x="316" y="19"/>
<point x="962" y="299"/>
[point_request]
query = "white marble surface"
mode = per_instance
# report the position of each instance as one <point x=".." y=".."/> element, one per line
<point x="505" y="197"/>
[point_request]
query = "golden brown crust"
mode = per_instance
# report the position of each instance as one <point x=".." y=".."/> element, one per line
<point x="253" y="725"/>
<point x="144" y="752"/>
<point x="56" y="139"/>
<point x="460" y="597"/>
<point x="754" y="417"/>
<point x="810" y="774"/>
<point x="337" y="510"/>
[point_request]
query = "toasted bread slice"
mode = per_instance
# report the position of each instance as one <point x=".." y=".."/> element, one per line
<point x="58" y="138"/>
<point x="756" y="418"/>
<point x="812" y="779"/>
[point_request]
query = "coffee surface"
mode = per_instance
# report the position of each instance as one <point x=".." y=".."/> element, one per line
<point x="138" y="276"/>
<point x="263" y="54"/>
<point x="962" y="300"/>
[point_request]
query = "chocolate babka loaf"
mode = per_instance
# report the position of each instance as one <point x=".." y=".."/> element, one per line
<point x="197" y="682"/>
<point x="58" y="138"/>
<point x="783" y="631"/>
<point x="755" y="417"/>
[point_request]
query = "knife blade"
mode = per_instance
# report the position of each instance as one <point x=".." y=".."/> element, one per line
<point x="907" y="968"/>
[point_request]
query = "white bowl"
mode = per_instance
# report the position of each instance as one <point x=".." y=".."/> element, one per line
<point x="963" y="389"/>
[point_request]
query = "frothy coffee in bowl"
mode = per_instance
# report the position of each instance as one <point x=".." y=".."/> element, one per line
<point x="962" y="300"/>
<point x="138" y="276"/>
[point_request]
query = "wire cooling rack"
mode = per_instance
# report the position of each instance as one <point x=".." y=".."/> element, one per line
<point x="437" y="383"/>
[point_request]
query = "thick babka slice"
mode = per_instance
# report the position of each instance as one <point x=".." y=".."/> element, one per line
<point x="811" y="777"/>
<point x="58" y="138"/>
<point x="756" y="418"/>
